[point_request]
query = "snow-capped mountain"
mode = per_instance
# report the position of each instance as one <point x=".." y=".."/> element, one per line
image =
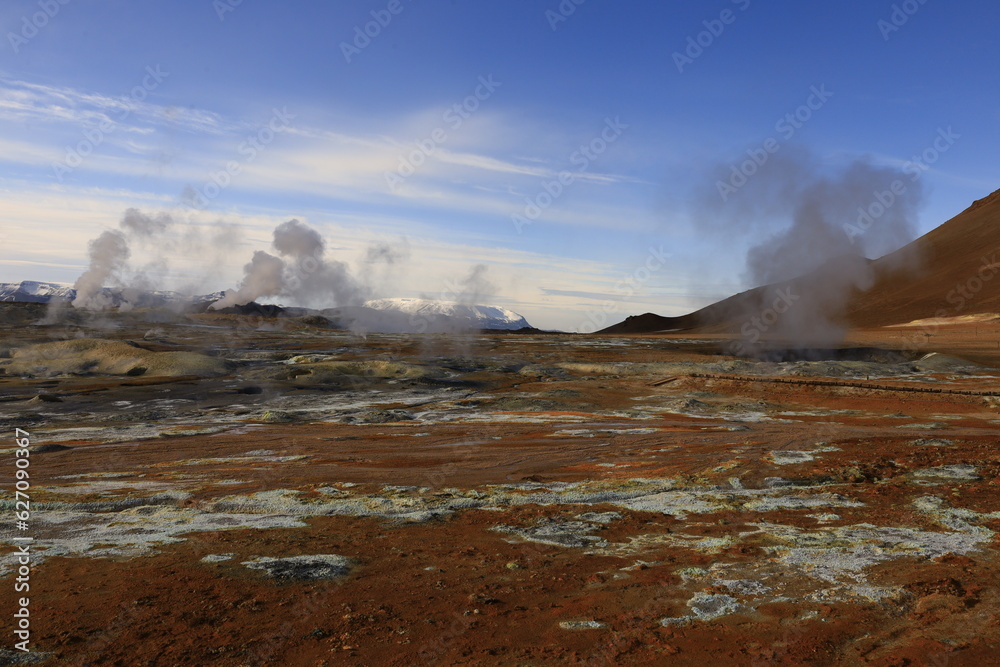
<point x="424" y="316"/>
<point x="480" y="317"/>
<point x="378" y="315"/>
<point x="30" y="291"/>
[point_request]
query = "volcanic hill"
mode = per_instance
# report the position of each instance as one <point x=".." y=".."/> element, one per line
<point x="945" y="273"/>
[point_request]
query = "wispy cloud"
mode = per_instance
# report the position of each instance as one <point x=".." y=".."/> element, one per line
<point x="492" y="164"/>
<point x="455" y="209"/>
<point x="37" y="103"/>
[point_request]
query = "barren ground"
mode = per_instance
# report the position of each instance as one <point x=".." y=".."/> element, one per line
<point x="503" y="499"/>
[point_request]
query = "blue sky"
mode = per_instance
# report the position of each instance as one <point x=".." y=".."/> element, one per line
<point x="617" y="239"/>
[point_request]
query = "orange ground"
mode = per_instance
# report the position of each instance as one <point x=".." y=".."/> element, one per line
<point x="687" y="467"/>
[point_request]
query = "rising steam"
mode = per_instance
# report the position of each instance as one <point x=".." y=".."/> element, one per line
<point x="298" y="268"/>
<point x="814" y="230"/>
<point x="108" y="254"/>
<point x="302" y="273"/>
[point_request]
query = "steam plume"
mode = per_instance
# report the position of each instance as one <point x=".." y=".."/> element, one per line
<point x="475" y="286"/>
<point x="263" y="276"/>
<point x="302" y="273"/>
<point x="111" y="251"/>
<point x="108" y="254"/>
<point x="816" y="229"/>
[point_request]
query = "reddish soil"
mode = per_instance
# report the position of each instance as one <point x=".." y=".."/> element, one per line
<point x="452" y="589"/>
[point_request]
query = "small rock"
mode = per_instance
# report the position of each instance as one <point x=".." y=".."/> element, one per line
<point x="707" y="606"/>
<point x="692" y="573"/>
<point x="599" y="517"/>
<point x="582" y="625"/>
<point x="276" y="417"/>
<point x="217" y="558"/>
<point x="45" y="398"/>
<point x="12" y="657"/>
<point x="932" y="442"/>
<point x="959" y="471"/>
<point x="302" y="568"/>
<point x="378" y="417"/>
<point x="787" y="457"/>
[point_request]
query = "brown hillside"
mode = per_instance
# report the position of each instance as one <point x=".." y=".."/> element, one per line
<point x="948" y="272"/>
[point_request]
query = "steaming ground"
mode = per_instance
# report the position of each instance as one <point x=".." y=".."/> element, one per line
<point x="300" y="272"/>
<point x="212" y="493"/>
<point x="815" y="225"/>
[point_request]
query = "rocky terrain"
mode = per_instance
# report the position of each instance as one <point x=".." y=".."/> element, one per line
<point x="252" y="491"/>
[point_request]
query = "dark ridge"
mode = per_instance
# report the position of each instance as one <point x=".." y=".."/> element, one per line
<point x="650" y="323"/>
<point x="253" y="308"/>
<point x="522" y="330"/>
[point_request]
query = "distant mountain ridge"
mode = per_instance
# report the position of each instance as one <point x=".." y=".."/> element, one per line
<point x="392" y="315"/>
<point x="461" y="314"/>
<point x="30" y="291"/>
